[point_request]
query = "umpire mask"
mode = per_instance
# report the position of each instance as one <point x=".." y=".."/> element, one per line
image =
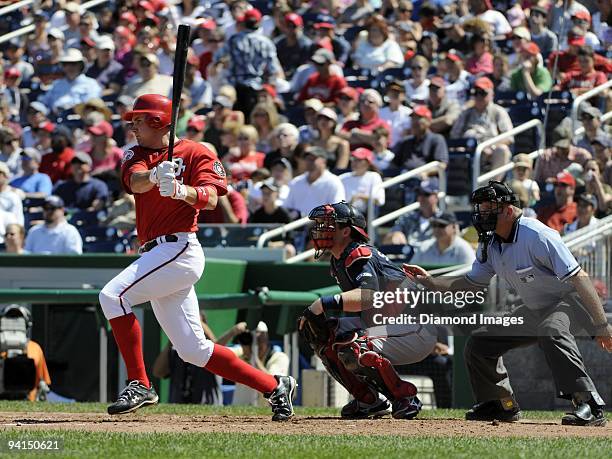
<point x="497" y="194"/>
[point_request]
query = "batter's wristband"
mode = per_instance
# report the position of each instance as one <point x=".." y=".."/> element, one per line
<point x="203" y="197"/>
<point x="332" y="303"/>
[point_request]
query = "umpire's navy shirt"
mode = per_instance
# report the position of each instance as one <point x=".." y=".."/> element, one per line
<point x="534" y="261"/>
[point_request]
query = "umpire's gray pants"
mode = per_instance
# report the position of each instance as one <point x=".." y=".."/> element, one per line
<point x="553" y="330"/>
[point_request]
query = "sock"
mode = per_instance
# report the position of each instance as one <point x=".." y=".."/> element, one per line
<point x="225" y="363"/>
<point x="128" y="336"/>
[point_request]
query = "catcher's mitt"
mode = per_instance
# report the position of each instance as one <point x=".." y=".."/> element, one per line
<point x="317" y="330"/>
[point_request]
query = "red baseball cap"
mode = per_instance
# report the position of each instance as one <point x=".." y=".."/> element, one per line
<point x="325" y="43"/>
<point x="437" y="81"/>
<point x="363" y="153"/>
<point x="566" y="178"/>
<point x="531" y="48"/>
<point x="102" y="128"/>
<point x="129" y="17"/>
<point x="47" y="126"/>
<point x="144" y="4"/>
<point x="421" y="111"/>
<point x="484" y="83"/>
<point x="581" y="14"/>
<point x="12" y="72"/>
<point x="294" y="19"/>
<point x="575" y="40"/>
<point x="253" y="15"/>
<point x="453" y="57"/>
<point x="197" y="122"/>
<point x="208" y="24"/>
<point x="349" y="92"/>
<point x="269" y="89"/>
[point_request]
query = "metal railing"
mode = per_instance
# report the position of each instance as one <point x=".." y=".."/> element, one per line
<point x="265" y="237"/>
<point x="605" y="117"/>
<point x="532" y="124"/>
<point x="484" y="178"/>
<point x="584" y="97"/>
<point x="29" y="28"/>
<point x="15" y="6"/>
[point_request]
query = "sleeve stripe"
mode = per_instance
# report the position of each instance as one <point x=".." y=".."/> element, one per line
<point x="571" y="273"/>
<point x="478" y="284"/>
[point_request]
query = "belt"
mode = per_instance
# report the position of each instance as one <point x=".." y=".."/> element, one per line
<point x="150" y="245"/>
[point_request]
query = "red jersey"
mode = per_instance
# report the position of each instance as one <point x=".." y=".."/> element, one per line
<point x="242" y="167"/>
<point x="157" y="215"/>
<point x="324" y="89"/>
<point x="569" y="62"/>
<point x="57" y="165"/>
<point x="579" y="80"/>
<point x="370" y="126"/>
<point x="557" y="218"/>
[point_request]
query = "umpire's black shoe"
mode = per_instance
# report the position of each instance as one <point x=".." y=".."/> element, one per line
<point x="281" y="399"/>
<point x="359" y="410"/>
<point x="585" y="414"/>
<point x="133" y="397"/>
<point x="505" y="411"/>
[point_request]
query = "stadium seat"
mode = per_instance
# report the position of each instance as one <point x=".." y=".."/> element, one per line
<point x="33" y="202"/>
<point x="244" y="236"/>
<point x="510" y="98"/>
<point x="111" y="246"/>
<point x="31" y="216"/>
<point x="459" y="171"/>
<point x="86" y="217"/>
<point x="397" y="253"/>
<point x="381" y="80"/>
<point x="98" y="233"/>
<point x="210" y="236"/>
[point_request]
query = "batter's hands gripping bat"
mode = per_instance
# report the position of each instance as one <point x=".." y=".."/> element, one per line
<point x="178" y="79"/>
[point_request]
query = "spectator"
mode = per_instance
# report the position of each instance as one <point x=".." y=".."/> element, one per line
<point x="446" y="247"/>
<point x="82" y="191"/>
<point x="591" y="121"/>
<point x="383" y="157"/>
<point x="480" y="62"/>
<point x="122" y="213"/>
<point x="308" y="131"/>
<point x="324" y="27"/>
<point x="195" y="128"/>
<point x="501" y="73"/>
<point x="149" y="80"/>
<point x="359" y="184"/>
<point x="16" y="97"/>
<point x="70" y="17"/>
<point x="314" y="187"/>
<point x="105" y="69"/>
<point x="482" y="9"/>
<point x="74" y="88"/>
<point x="567" y="61"/>
<point x="322" y="84"/>
<point x="36" y="115"/>
<point x="87" y="30"/>
<point x="603" y="155"/>
<point x="458" y="84"/>
<point x="484" y="121"/>
<point x="585" y="214"/>
<point x="292" y="47"/>
<point x="221" y="112"/>
<point x="601" y="22"/>
<point x="105" y="155"/>
<point x="428" y="48"/>
<point x="417" y="86"/>
<point x="212" y="39"/>
<point x="561" y="14"/>
<point x="31" y="182"/>
<point x="519" y="39"/>
<point x="415" y="227"/>
<point x="199" y="89"/>
<point x="347" y="105"/>
<point x="13" y="56"/>
<point x="356" y="14"/>
<point x="396" y="114"/>
<point x="554" y="160"/>
<point x="270" y="211"/>
<point x="287" y="139"/>
<point x="596" y="186"/>
<point x="56" y="163"/>
<point x="359" y="131"/>
<point x="541" y="35"/>
<point x="454" y="36"/>
<point x="523" y="166"/>
<point x="37" y="43"/>
<point x="55" y="235"/>
<point x="264" y="118"/>
<point x="10" y="202"/>
<point x="423" y="146"/>
<point x="14" y="239"/>
<point x="563" y="210"/>
<point x="336" y="147"/>
<point x="444" y="112"/>
<point x="530" y="76"/>
<point x="585" y="79"/>
<point x="245" y="158"/>
<point x="10" y="152"/>
<point x="379" y="51"/>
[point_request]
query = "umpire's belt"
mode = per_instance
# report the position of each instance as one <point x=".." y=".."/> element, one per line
<point x="150" y="245"/>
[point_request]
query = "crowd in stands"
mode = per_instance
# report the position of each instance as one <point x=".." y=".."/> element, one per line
<point x="304" y="102"/>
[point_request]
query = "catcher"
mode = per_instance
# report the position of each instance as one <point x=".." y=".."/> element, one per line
<point x="355" y="351"/>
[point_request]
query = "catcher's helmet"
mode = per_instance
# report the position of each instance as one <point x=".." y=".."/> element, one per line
<point x="326" y="217"/>
<point x="157" y="108"/>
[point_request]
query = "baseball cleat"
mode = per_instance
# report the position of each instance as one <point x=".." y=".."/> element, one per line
<point x="406" y="408"/>
<point x="133" y="397"/>
<point x="585" y="415"/>
<point x="360" y="410"/>
<point x="494" y="410"/>
<point x="281" y="399"/>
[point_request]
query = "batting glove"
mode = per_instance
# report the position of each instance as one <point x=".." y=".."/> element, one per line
<point x="169" y="187"/>
<point x="165" y="167"/>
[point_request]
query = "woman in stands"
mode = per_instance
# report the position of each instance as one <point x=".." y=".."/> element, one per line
<point x="379" y="51"/>
<point x="337" y="148"/>
<point x="265" y="118"/>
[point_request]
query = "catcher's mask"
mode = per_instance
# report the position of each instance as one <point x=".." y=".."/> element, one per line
<point x="326" y="217"/>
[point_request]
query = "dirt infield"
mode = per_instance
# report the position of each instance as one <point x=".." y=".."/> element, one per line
<point x="321" y="425"/>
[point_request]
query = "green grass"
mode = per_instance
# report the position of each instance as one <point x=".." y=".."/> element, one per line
<point x="219" y="446"/>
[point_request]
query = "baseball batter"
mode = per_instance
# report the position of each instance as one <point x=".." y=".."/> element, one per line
<point x="169" y="196"/>
<point x="356" y="351"/>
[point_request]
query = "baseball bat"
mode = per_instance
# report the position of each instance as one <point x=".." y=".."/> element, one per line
<point x="178" y="79"/>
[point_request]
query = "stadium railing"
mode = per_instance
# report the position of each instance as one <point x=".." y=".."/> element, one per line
<point x="584" y="97"/>
<point x="15" y="6"/>
<point x="484" y="178"/>
<point x="605" y="117"/>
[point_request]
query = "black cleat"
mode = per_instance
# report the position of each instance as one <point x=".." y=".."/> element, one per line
<point x="406" y="408"/>
<point x="133" y="397"/>
<point x="507" y="411"/>
<point x="360" y="410"/>
<point x="585" y="415"/>
<point x="281" y="399"/>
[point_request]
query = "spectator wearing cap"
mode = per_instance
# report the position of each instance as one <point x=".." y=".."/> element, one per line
<point x="591" y="121"/>
<point x="293" y="47"/>
<point x="453" y="35"/>
<point x="348" y="100"/>
<point x="264" y="118"/>
<point x="567" y="60"/>
<point x="286" y="138"/>
<point x="55" y="236"/>
<point x="501" y="72"/>
<point x="541" y="35"/>
<point x="56" y="162"/>
<point x="519" y="38"/>
<point x="586" y="206"/>
<point x="220" y="121"/>
<point x="415" y="227"/>
<point x="359" y="184"/>
<point x="480" y="60"/>
<point x="554" y="160"/>
<point x="251" y="60"/>
<point x="16" y="97"/>
<point x="269" y="211"/>
<point x="408" y="36"/>
<point x="210" y="39"/>
<point x="109" y="73"/>
<point x="47" y="63"/>
<point x="395" y="113"/>
<point x="124" y="54"/>
<point x="10" y="201"/>
<point x="36" y="42"/>
<point x="446" y="247"/>
<point x="31" y="182"/>
<point x="150" y="81"/>
<point x="324" y="27"/>
<point x="444" y="112"/>
<point x="379" y="51"/>
<point x="561" y="13"/>
<point x="87" y="30"/>
<point x="74" y="88"/>
<point x="13" y="57"/>
<point x="195" y="128"/>
<point x="563" y="210"/>
<point x="417" y="85"/>
<point x="323" y="84"/>
<point x="531" y="76"/>
<point x="105" y="155"/>
<point x="423" y="146"/>
<point x="359" y="131"/>
<point x="356" y="14"/>
<point x="336" y="147"/>
<point x="523" y="167"/>
<point x="308" y="130"/>
<point x="483" y="9"/>
<point x="483" y="121"/>
<point x="42" y="137"/>
<point x="68" y="18"/>
<point x="314" y="187"/>
<point x="36" y="115"/>
<point x="10" y="151"/>
<point x="595" y="185"/>
<point x="457" y="79"/>
<point x="81" y="190"/>
<point x="585" y="79"/>
<point x="602" y="147"/>
<point x="245" y="158"/>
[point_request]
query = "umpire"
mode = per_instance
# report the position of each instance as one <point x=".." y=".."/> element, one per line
<point x="558" y="301"/>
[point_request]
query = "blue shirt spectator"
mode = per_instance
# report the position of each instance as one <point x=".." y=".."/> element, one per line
<point x="82" y="191"/>
<point x="55" y="235"/>
<point x="33" y="183"/>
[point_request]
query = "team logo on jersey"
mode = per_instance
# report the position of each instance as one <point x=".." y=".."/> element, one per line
<point x="129" y="154"/>
<point x="218" y="168"/>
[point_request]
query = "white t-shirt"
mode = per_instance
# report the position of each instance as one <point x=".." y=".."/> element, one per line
<point x="362" y="184"/>
<point x="399" y="120"/>
<point x="498" y="21"/>
<point x="6" y="218"/>
<point x="304" y="196"/>
<point x="459" y="89"/>
<point x="371" y="57"/>
<point x="419" y="93"/>
<point x="64" y="238"/>
<point x="10" y="202"/>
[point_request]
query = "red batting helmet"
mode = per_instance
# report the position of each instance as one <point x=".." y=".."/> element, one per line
<point x="157" y="108"/>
